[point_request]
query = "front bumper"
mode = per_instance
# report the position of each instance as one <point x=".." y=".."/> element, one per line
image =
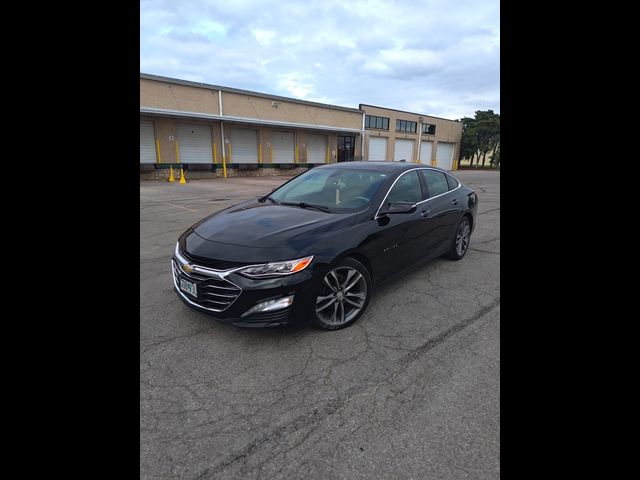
<point x="301" y="285"/>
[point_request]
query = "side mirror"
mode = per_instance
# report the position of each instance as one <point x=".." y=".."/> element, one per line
<point x="397" y="207"/>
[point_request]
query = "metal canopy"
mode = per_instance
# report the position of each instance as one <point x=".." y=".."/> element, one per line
<point x="253" y="121"/>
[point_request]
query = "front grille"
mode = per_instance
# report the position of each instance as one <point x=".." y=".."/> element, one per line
<point x="214" y="294"/>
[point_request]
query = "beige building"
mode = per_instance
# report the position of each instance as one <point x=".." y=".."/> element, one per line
<point x="212" y="131"/>
<point x="397" y="135"/>
<point x="205" y="126"/>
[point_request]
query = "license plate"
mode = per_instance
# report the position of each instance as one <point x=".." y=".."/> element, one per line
<point x="188" y="287"/>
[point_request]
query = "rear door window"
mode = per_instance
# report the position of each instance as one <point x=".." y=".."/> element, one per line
<point x="436" y="182"/>
<point x="453" y="183"/>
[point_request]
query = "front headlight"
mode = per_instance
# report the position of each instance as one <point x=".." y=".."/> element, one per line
<point x="277" y="268"/>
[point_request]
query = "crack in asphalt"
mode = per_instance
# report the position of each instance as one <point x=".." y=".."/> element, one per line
<point x="148" y="346"/>
<point x="487" y="241"/>
<point x="335" y="405"/>
<point x="441" y="337"/>
<point x="484" y="251"/>
<point x="474" y="186"/>
<point x="145" y="261"/>
<point x="489" y="211"/>
<point x="175" y="230"/>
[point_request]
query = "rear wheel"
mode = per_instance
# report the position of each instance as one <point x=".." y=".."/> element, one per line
<point x="461" y="239"/>
<point x="344" y="295"/>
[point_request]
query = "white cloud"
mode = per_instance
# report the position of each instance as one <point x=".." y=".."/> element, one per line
<point x="292" y="39"/>
<point x="345" y="42"/>
<point x="296" y="84"/>
<point x="410" y="57"/>
<point x="210" y="29"/>
<point x="264" y="37"/>
<point x="375" y="66"/>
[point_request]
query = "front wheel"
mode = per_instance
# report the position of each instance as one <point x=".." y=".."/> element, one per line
<point x="461" y="239"/>
<point x="344" y="295"/>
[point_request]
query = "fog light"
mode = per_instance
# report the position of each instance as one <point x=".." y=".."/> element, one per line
<point x="270" y="305"/>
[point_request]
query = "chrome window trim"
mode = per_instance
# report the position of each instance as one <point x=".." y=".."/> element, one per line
<point x="418" y="203"/>
<point x="175" y="283"/>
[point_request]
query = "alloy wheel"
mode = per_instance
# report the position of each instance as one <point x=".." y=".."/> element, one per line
<point x="462" y="237"/>
<point x="343" y="296"/>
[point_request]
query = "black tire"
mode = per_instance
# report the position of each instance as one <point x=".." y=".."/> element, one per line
<point x="335" y="300"/>
<point x="455" y="252"/>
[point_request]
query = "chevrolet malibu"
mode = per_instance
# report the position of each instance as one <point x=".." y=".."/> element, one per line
<point x="315" y="248"/>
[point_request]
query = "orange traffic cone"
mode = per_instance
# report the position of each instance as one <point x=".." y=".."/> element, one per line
<point x="182" y="179"/>
<point x="171" y="177"/>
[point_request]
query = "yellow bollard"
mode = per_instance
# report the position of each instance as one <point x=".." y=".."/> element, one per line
<point x="182" y="179"/>
<point x="171" y="177"/>
<point x="224" y="166"/>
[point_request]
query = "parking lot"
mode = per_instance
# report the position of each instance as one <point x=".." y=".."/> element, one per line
<point x="410" y="391"/>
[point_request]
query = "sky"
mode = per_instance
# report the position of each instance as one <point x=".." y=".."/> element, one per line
<point x="430" y="57"/>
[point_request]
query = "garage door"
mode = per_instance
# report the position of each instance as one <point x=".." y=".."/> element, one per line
<point x="378" y="149"/>
<point x="444" y="155"/>
<point x="244" y="146"/>
<point x="283" y="147"/>
<point x="194" y="143"/>
<point x="147" y="142"/>
<point x="316" y="148"/>
<point x="426" y="150"/>
<point x="403" y="150"/>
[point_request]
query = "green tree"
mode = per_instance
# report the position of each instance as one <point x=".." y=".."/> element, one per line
<point x="495" y="158"/>
<point x="469" y="145"/>
<point x="480" y="135"/>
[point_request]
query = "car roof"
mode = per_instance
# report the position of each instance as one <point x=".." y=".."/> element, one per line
<point x="379" y="166"/>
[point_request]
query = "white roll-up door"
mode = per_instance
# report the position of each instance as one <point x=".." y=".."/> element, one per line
<point x="194" y="143"/>
<point x="316" y="148"/>
<point x="378" y="149"/>
<point x="147" y="142"/>
<point x="426" y="150"/>
<point x="444" y="155"/>
<point x="244" y="146"/>
<point x="403" y="150"/>
<point x="284" y="150"/>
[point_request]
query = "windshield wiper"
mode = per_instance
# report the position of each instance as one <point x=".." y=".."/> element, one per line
<point x="267" y="197"/>
<point x="307" y="205"/>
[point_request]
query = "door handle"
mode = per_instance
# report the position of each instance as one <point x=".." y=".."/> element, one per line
<point x="454" y="201"/>
<point x="425" y="213"/>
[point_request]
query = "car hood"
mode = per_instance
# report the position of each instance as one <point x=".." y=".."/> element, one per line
<point x="255" y="224"/>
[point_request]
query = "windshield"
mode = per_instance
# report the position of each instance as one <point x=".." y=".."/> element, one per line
<point x="338" y="189"/>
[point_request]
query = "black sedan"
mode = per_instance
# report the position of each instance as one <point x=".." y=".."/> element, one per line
<point x="315" y="248"/>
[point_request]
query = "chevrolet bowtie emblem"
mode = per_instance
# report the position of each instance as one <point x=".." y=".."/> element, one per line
<point x="187" y="268"/>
